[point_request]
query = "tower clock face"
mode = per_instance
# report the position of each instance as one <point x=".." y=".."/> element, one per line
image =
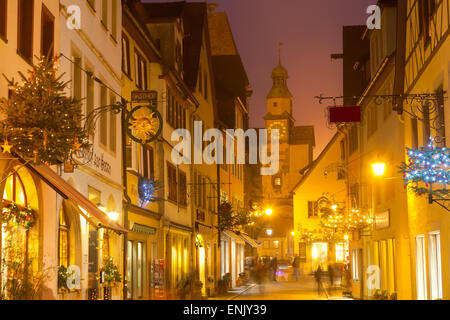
<point x="281" y="127"/>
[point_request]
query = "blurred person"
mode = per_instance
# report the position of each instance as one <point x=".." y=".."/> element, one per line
<point x="318" y="276"/>
<point x="274" y="264"/>
<point x="296" y="266"/>
<point x="331" y="274"/>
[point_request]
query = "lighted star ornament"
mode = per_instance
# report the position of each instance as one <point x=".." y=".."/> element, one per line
<point x="6" y="147"/>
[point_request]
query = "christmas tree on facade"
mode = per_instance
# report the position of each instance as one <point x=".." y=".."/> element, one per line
<point x="38" y="120"/>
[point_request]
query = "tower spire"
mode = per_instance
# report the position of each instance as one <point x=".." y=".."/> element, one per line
<point x="279" y="52"/>
<point x="279" y="77"/>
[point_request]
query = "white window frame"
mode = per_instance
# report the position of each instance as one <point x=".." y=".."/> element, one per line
<point x="435" y="266"/>
<point x="421" y="268"/>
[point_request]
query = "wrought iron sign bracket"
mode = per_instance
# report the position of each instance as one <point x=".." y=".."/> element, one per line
<point x="442" y="202"/>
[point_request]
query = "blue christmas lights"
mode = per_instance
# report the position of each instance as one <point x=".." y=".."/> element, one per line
<point x="147" y="189"/>
<point x="429" y="165"/>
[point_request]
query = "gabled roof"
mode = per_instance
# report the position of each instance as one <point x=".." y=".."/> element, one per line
<point x="164" y="10"/>
<point x="222" y="41"/>
<point x="316" y="162"/>
<point x="230" y="76"/>
<point x="303" y="135"/>
<point x="194" y="16"/>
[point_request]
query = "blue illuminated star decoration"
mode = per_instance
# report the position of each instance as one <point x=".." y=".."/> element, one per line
<point x="147" y="189"/>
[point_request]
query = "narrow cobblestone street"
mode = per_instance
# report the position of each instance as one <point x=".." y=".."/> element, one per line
<point x="304" y="289"/>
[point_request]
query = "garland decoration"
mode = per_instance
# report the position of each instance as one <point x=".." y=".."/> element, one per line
<point x="38" y="120"/>
<point x="13" y="215"/>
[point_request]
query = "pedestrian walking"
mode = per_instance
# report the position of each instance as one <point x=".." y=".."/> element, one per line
<point x="274" y="268"/>
<point x="260" y="271"/>
<point x="318" y="275"/>
<point x="331" y="274"/>
<point x="296" y="266"/>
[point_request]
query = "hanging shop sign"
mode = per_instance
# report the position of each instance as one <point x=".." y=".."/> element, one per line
<point x="382" y="220"/>
<point x="144" y="96"/>
<point x="140" y="228"/>
<point x="144" y="124"/>
<point x="345" y="114"/>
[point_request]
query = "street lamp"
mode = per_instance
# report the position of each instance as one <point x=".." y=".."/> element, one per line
<point x="113" y="215"/>
<point x="378" y="169"/>
<point x="269" y="212"/>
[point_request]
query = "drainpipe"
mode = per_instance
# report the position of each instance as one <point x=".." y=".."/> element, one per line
<point x="127" y="202"/>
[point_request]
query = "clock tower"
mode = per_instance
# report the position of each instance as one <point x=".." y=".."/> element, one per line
<point x="279" y="104"/>
<point x="295" y="153"/>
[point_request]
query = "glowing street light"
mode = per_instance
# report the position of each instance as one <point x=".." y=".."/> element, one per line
<point x="113" y="215"/>
<point x="334" y="207"/>
<point x="378" y="169"/>
<point x="292" y="233"/>
<point x="101" y="207"/>
<point x="269" y="212"/>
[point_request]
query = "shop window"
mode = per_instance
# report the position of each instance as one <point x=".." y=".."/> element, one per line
<point x="340" y="252"/>
<point x="25" y="29"/>
<point x="421" y="272"/>
<point x="434" y="253"/>
<point x="130" y="285"/>
<point x="106" y="246"/>
<point x="14" y="190"/>
<point x="47" y="33"/>
<point x="64" y="239"/>
<point x="355" y="264"/>
<point x="13" y="241"/>
<point x="276" y="244"/>
<point x="140" y="270"/>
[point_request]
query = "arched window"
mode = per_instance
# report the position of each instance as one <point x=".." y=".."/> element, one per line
<point x="63" y="239"/>
<point x="14" y="190"/>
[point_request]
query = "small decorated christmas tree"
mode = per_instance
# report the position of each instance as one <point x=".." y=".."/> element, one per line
<point x="427" y="169"/>
<point x="39" y="121"/>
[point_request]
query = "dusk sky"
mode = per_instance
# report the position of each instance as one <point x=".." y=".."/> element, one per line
<point x="310" y="31"/>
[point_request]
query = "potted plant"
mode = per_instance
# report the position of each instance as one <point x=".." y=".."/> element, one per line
<point x="112" y="278"/>
<point x="183" y="288"/>
<point x="197" y="286"/>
